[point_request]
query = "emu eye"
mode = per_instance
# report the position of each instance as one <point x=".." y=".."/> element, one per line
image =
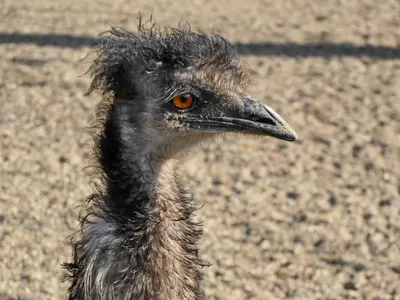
<point x="183" y="101"/>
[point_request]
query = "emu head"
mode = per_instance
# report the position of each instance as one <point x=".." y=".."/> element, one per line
<point x="175" y="88"/>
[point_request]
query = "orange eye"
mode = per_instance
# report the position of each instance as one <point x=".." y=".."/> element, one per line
<point x="183" y="101"/>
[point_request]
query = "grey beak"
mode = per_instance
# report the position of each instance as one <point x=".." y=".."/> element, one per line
<point x="254" y="117"/>
<point x="262" y="119"/>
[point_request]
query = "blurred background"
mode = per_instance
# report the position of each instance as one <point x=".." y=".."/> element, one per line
<point x="314" y="219"/>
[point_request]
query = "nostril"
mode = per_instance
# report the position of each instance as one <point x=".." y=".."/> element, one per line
<point x="267" y="121"/>
<point x="262" y="120"/>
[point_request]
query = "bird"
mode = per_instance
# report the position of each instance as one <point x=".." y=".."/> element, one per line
<point x="163" y="92"/>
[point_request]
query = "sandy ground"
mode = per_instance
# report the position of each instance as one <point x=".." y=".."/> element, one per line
<point x="316" y="219"/>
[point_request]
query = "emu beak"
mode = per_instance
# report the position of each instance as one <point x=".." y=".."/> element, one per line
<point x="259" y="118"/>
<point x="254" y="117"/>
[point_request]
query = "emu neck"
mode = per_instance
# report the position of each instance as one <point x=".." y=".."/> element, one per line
<point x="140" y="242"/>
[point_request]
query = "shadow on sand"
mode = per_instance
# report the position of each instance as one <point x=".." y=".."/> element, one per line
<point x="257" y="49"/>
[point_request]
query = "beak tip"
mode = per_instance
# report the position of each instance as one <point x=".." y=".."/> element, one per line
<point x="293" y="136"/>
<point x="289" y="135"/>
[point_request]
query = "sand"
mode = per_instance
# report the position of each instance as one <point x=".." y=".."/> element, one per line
<point x="314" y="219"/>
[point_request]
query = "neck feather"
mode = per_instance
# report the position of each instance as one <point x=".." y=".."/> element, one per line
<point x="138" y="239"/>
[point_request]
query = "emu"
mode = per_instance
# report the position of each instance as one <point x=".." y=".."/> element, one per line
<point x="163" y="92"/>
